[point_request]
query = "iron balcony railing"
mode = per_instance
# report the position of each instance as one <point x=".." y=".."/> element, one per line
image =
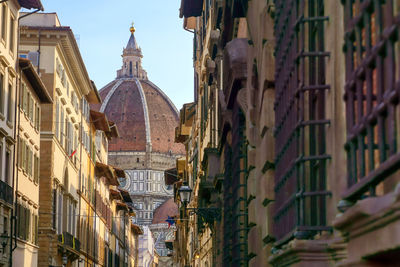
<point x="69" y="240"/>
<point x="6" y="192"/>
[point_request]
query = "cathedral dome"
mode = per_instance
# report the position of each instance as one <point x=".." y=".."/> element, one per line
<point x="167" y="209"/>
<point x="145" y="116"/>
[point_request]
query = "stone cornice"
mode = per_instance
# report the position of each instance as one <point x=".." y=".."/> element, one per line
<point x="64" y="38"/>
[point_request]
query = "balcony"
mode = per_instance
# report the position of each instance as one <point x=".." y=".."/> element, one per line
<point x="6" y="192"/>
<point x="69" y="241"/>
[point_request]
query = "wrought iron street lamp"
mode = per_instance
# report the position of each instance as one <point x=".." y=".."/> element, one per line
<point x="206" y="215"/>
<point x="185" y="192"/>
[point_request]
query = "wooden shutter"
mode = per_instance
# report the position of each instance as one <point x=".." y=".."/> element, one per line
<point x="25" y="97"/>
<point x="57" y="119"/>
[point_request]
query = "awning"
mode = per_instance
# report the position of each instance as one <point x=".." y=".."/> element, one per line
<point x="119" y="172"/>
<point x="108" y="172"/>
<point x="115" y="194"/>
<point x="189" y="23"/>
<point x="191" y="8"/>
<point x="132" y="212"/>
<point x="136" y="229"/>
<point x="29" y="4"/>
<point x="122" y="205"/>
<point x="99" y="120"/>
<point x="113" y="133"/>
<point x="93" y="96"/>
<point x="170" y="176"/>
<point x="34" y="79"/>
<point x="125" y="195"/>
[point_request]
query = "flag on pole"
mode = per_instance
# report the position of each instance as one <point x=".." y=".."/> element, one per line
<point x="170" y="221"/>
<point x="72" y="154"/>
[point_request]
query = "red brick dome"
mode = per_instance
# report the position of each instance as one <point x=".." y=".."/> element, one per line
<point x="146" y="118"/>
<point x="168" y="208"/>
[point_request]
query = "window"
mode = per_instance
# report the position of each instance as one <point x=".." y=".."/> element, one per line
<point x="20" y="149"/>
<point x="9" y="104"/>
<point x="69" y="215"/>
<point x="371" y="49"/>
<point x="54" y="208"/>
<point x="29" y="161"/>
<point x="2" y="93"/>
<point x="36" y="169"/>
<point x="85" y="109"/>
<point x="21" y="95"/>
<point x="134" y="186"/>
<point x="3" y="21"/>
<point x="59" y="212"/>
<point x="68" y="136"/>
<point x="141" y="176"/>
<point x="25" y="98"/>
<point x="31" y="107"/>
<point x="57" y="124"/>
<point x="37" y="117"/>
<point x="35" y="226"/>
<point x="135" y="176"/>
<point x="140" y="186"/>
<point x="61" y="122"/>
<point x="8" y="167"/>
<point x="300" y="162"/>
<point x="12" y="34"/>
<point x="23" y="154"/>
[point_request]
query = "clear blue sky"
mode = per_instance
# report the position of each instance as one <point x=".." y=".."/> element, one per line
<point x="103" y="30"/>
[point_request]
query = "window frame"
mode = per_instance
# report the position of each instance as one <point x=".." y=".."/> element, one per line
<point x="371" y="98"/>
<point x="4" y="20"/>
<point x="300" y="117"/>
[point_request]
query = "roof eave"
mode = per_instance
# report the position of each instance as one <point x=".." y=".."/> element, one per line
<point x="29" y="4"/>
<point x="99" y="120"/>
<point x="34" y="79"/>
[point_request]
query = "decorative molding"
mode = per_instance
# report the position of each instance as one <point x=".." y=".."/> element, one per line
<point x="145" y="111"/>
<point x="110" y="93"/>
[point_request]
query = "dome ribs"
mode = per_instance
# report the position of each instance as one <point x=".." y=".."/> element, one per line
<point x="126" y="108"/>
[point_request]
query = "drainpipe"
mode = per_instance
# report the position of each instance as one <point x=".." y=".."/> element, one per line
<point x="13" y="220"/>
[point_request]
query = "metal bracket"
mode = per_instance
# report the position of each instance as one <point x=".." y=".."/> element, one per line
<point x="206" y="215"/>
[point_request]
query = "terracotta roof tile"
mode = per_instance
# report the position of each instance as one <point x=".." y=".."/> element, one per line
<point x="168" y="208"/>
<point x="125" y="108"/>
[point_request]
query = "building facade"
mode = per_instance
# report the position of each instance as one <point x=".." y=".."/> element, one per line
<point x="305" y="99"/>
<point x="65" y="76"/>
<point x="9" y="94"/>
<point x="84" y="218"/>
<point x="32" y="95"/>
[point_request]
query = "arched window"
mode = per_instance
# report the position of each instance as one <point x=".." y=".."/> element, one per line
<point x="130" y="68"/>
